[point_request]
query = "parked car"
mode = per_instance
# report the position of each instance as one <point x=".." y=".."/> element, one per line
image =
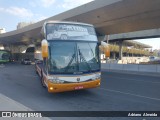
<point x="38" y="61"/>
<point x="26" y="61"/>
<point x="11" y="60"/>
<point x="154" y="58"/>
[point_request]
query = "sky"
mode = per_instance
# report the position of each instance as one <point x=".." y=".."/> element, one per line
<point x="154" y="42"/>
<point x="14" y="11"/>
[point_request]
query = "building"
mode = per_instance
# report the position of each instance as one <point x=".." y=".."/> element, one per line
<point x="132" y="52"/>
<point x="24" y="24"/>
<point x="130" y="49"/>
<point x="2" y="30"/>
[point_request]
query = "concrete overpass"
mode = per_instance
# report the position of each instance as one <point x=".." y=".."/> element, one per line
<point x="108" y="16"/>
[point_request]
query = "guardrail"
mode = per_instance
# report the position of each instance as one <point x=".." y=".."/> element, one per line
<point x="132" y="67"/>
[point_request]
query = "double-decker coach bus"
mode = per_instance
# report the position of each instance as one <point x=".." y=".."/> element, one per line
<point x="70" y="53"/>
<point x="4" y="56"/>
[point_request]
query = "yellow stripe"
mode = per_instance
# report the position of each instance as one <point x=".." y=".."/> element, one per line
<point x="72" y="86"/>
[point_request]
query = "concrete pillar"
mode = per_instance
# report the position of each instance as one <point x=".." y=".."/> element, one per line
<point x="22" y="48"/>
<point x="114" y="55"/>
<point x="16" y="48"/>
<point x="103" y="38"/>
<point x="16" y="51"/>
<point x="1" y="47"/>
<point x="37" y="48"/>
<point x="120" y="50"/>
<point x="38" y="54"/>
<point x="6" y="47"/>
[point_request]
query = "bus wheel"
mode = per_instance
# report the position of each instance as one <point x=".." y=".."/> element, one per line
<point x="64" y="37"/>
<point x="36" y="70"/>
<point x="42" y="81"/>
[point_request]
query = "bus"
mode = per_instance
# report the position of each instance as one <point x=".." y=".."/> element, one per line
<point x="4" y="56"/>
<point x="71" y="60"/>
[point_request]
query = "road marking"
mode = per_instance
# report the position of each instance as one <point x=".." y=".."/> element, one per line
<point x="135" y="80"/>
<point x="126" y="93"/>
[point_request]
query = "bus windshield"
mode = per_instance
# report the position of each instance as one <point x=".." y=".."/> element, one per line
<point x="73" y="57"/>
<point x="66" y="31"/>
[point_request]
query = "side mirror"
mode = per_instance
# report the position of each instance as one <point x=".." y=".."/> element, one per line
<point x="44" y="45"/>
<point x="104" y="47"/>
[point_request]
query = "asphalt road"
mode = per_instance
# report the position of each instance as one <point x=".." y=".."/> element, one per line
<point x="118" y="92"/>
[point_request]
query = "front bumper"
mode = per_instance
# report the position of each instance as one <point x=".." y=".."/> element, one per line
<point x="54" y="88"/>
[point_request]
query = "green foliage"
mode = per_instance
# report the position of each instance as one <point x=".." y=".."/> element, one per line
<point x="115" y="48"/>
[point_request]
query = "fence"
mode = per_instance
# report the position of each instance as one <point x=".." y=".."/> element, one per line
<point x="132" y="67"/>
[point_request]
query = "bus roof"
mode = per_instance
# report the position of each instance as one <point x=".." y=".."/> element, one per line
<point x="67" y="22"/>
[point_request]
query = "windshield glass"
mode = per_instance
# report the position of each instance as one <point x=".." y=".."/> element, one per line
<point x="65" y="31"/>
<point x="73" y="57"/>
<point x="4" y="55"/>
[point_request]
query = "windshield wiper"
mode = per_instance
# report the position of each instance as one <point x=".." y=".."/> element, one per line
<point x="84" y="60"/>
<point x="70" y="62"/>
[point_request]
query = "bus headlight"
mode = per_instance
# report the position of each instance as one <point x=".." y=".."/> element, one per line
<point x="60" y="81"/>
<point x="97" y="76"/>
<point x="54" y="79"/>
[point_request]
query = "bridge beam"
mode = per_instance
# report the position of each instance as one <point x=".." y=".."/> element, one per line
<point x="144" y="34"/>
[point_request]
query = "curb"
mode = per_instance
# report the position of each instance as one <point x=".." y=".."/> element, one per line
<point x="8" y="104"/>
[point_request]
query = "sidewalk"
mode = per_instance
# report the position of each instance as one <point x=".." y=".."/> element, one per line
<point x="7" y="104"/>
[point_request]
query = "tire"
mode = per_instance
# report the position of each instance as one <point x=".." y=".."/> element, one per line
<point x="36" y="71"/>
<point x="64" y="37"/>
<point x="42" y="80"/>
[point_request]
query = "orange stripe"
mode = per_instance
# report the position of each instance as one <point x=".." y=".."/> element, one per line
<point x="72" y="86"/>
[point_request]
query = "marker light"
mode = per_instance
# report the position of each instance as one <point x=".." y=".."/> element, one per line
<point x="51" y="88"/>
<point x="44" y="45"/>
<point x="99" y="83"/>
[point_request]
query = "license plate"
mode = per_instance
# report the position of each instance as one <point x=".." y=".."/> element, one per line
<point x="78" y="87"/>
